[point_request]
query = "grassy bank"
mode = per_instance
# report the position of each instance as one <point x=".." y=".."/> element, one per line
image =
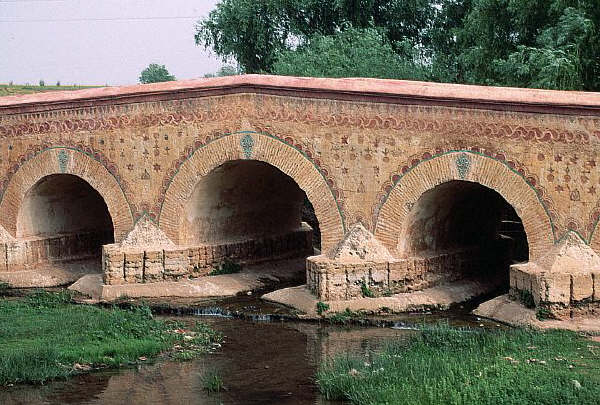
<point x="44" y="336"/>
<point x="450" y="366"/>
<point x="10" y="90"/>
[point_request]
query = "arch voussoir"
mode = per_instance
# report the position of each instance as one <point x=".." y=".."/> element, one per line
<point x="66" y="160"/>
<point x="252" y="146"/>
<point x="467" y="166"/>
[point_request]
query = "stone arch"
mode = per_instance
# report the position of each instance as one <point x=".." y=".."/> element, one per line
<point x="253" y="146"/>
<point x="468" y="166"/>
<point x="65" y="160"/>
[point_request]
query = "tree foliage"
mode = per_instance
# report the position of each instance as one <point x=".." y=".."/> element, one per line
<point x="351" y="53"/>
<point x="527" y="43"/>
<point x="155" y="73"/>
<point x="225" y="70"/>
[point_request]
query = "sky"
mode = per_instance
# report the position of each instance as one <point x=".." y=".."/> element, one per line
<point x="100" y="42"/>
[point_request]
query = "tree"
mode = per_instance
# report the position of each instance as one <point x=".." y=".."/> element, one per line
<point x="254" y="32"/>
<point x="529" y="43"/>
<point x="155" y="73"/>
<point x="226" y="70"/>
<point x="351" y="53"/>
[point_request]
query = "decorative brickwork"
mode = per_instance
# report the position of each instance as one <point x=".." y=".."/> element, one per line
<point x="363" y="150"/>
<point x="287" y="158"/>
<point x="44" y="161"/>
<point x="485" y="170"/>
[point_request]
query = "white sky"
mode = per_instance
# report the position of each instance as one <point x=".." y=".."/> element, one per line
<point x="80" y="42"/>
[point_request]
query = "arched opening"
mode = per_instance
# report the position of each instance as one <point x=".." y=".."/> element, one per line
<point x="61" y="219"/>
<point x="461" y="230"/>
<point x="249" y="211"/>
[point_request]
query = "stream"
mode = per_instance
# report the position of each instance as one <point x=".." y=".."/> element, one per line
<point x="264" y="359"/>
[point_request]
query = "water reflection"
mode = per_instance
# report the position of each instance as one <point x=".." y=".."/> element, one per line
<point x="260" y="363"/>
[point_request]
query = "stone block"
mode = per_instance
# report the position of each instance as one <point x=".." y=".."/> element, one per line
<point x="134" y="266"/>
<point x="112" y="266"/>
<point x="176" y="263"/>
<point x="558" y="287"/>
<point x="16" y="256"/>
<point x="398" y="270"/>
<point x="583" y="286"/>
<point x="153" y="266"/>
<point x="54" y="248"/>
<point x="379" y="274"/>
<point x="193" y="256"/>
<point x="538" y="289"/>
<point x="512" y="275"/>
<point x="336" y="286"/>
<point x="3" y="265"/>
<point x="596" y="280"/>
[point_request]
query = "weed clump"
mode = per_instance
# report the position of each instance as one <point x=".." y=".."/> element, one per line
<point x="227" y="267"/>
<point x="212" y="382"/>
<point x="366" y="291"/>
<point x="322" y="307"/>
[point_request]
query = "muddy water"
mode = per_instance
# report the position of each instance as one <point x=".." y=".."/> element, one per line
<point x="260" y="362"/>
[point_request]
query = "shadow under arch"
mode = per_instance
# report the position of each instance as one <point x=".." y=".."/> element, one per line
<point x="247" y="145"/>
<point x="470" y="166"/>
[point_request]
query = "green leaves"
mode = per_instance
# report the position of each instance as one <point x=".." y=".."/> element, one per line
<point x="155" y="73"/>
<point x="350" y="53"/>
<point x="527" y="43"/>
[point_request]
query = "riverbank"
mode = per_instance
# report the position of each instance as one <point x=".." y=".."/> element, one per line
<point x="470" y="366"/>
<point x="44" y="336"/>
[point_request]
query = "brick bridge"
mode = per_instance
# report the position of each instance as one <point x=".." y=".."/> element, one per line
<point x="410" y="184"/>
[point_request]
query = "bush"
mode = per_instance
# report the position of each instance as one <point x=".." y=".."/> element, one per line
<point x="322" y="307"/>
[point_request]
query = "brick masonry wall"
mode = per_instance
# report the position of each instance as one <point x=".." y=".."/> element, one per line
<point x="331" y="281"/>
<point x="357" y="161"/>
<point x="147" y="265"/>
<point x="564" y="295"/>
<point x="30" y="253"/>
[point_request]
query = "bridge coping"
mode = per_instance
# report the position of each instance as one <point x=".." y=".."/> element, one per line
<point x="385" y="90"/>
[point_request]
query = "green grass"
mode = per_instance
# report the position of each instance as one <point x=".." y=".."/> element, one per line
<point x="44" y="336"/>
<point x="10" y="90"/>
<point x="443" y="365"/>
<point x="344" y="317"/>
<point x="212" y="381"/>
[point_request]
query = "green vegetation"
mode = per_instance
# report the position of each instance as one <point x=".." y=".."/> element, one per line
<point x="227" y="267"/>
<point x="526" y="298"/>
<point x="212" y="381"/>
<point x="155" y="73"/>
<point x="351" y="53"/>
<point x="551" y="44"/>
<point x="225" y="70"/>
<point x="322" y="307"/>
<point x="344" y="317"/>
<point x="4" y="287"/>
<point x="14" y="89"/>
<point x="44" y="336"/>
<point x="543" y="313"/>
<point x="444" y="365"/>
<point x="366" y="291"/>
